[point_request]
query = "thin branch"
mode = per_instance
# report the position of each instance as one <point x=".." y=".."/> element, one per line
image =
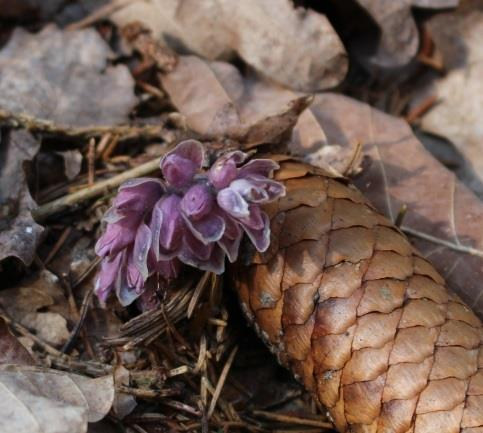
<point x="221" y="381"/>
<point x="451" y="245"/>
<point x="96" y="190"/>
<point x="289" y="419"/>
<point x="82" y="316"/>
<point x="124" y="132"/>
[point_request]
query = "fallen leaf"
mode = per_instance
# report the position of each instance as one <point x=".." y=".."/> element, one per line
<point x="64" y="76"/>
<point x="72" y="163"/>
<point x="443" y="215"/>
<point x="11" y="350"/>
<point x="38" y="400"/>
<point x="123" y="403"/>
<point x="399" y="39"/>
<point x="216" y="102"/>
<point x="39" y="304"/>
<point x="293" y="46"/>
<point x="19" y="233"/>
<point x="457" y="116"/>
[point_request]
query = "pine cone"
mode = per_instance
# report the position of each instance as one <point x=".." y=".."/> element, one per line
<point x="360" y="317"/>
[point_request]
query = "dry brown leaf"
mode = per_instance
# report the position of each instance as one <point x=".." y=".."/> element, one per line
<point x="399" y="39"/>
<point x="216" y="101"/>
<point x="11" y="350"/>
<point x="295" y="47"/>
<point x="38" y="400"/>
<point x="64" y="77"/>
<point x="72" y="162"/>
<point x="123" y="403"/>
<point x="41" y="292"/>
<point x="458" y="114"/>
<point x="19" y="233"/>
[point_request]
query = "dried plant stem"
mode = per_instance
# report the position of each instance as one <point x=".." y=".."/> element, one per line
<point x="58" y="245"/>
<point x="288" y="419"/>
<point x="451" y="245"/>
<point x="221" y="381"/>
<point x="82" y="315"/>
<point x="98" y="189"/>
<point x="124" y="132"/>
<point x="148" y="393"/>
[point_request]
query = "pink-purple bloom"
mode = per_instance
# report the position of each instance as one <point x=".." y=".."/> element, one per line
<point x="193" y="216"/>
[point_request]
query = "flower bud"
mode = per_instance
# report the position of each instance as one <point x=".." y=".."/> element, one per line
<point x="197" y="202"/>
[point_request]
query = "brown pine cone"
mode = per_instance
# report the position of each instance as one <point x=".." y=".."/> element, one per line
<point x="361" y="318"/>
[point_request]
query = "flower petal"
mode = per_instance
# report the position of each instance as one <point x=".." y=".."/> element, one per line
<point x="197" y="202"/>
<point x="261" y="167"/>
<point x="232" y="202"/>
<point x="172" y="224"/>
<point x="126" y="293"/>
<point x="272" y="188"/>
<point x="208" y="229"/>
<point x="260" y="237"/>
<point x="117" y="237"/>
<point x="224" y="170"/>
<point x="138" y="195"/>
<point x="180" y="165"/>
<point x="230" y="242"/>
<point x="256" y="218"/>
<point x="109" y="273"/>
<point x="168" y="269"/>
<point x="214" y="263"/>
<point x="250" y="191"/>
<point x="142" y="244"/>
<point x="194" y="248"/>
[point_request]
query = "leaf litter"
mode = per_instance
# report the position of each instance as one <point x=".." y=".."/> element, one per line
<point x="179" y="366"/>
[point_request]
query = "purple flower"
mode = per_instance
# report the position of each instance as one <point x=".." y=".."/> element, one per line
<point x="195" y="217"/>
<point x="126" y="243"/>
<point x="180" y="165"/>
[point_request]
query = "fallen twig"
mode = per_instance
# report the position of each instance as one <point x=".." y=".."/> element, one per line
<point x="123" y="132"/>
<point x="221" y="381"/>
<point x="288" y="419"/>
<point x="82" y="315"/>
<point x="98" y="189"/>
<point x="448" y="244"/>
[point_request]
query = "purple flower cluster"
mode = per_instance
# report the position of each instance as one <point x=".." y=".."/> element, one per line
<point x="193" y="217"/>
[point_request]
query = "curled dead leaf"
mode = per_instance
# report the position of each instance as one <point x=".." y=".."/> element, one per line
<point x="38" y="400"/>
<point x="305" y="53"/>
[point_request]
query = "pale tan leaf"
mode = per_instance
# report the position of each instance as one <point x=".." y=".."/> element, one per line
<point x="218" y="102"/>
<point x="293" y="46"/>
<point x="399" y="39"/>
<point x="37" y="400"/>
<point x="459" y="111"/>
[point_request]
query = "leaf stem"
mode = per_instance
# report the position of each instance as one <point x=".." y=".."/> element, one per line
<point x="455" y="247"/>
